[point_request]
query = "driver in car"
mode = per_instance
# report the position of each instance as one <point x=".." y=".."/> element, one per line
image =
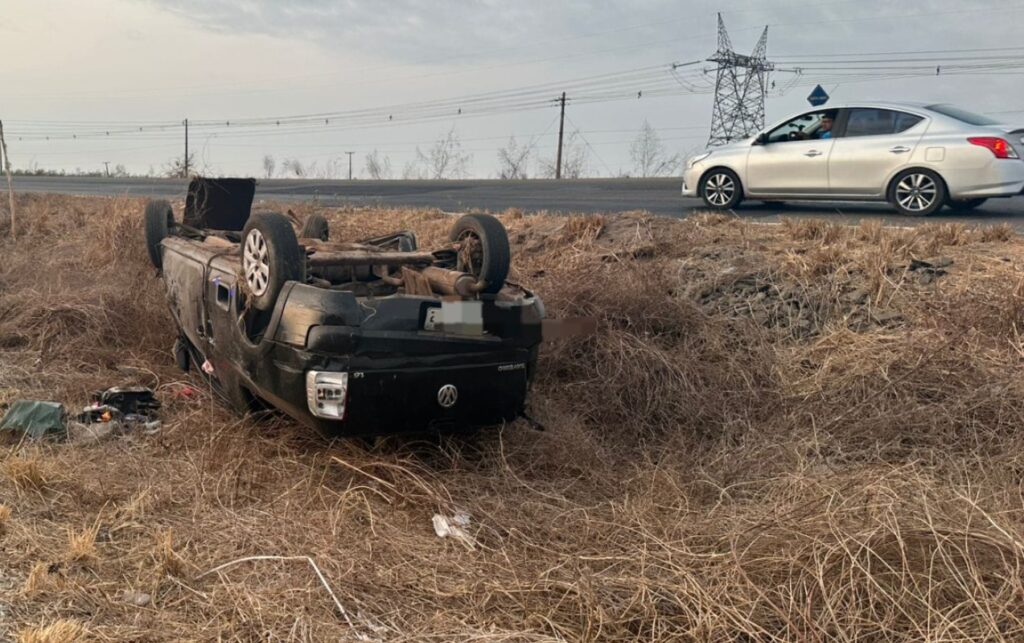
<point x="825" y="129"/>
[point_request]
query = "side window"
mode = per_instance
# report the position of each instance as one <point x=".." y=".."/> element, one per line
<point x="905" y="121"/>
<point x="800" y="128"/>
<point x="879" y="122"/>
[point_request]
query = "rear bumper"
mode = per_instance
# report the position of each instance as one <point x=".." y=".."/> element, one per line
<point x="402" y="395"/>
<point x="1000" y="178"/>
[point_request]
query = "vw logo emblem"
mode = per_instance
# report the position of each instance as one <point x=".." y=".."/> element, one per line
<point x="447" y="395"/>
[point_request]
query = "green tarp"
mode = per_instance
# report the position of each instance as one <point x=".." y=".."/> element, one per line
<point x="33" y="418"/>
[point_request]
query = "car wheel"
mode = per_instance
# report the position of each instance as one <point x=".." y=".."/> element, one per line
<point x="271" y="257"/>
<point x="917" y="192"/>
<point x="721" y="189"/>
<point x="159" y="218"/>
<point x="965" y="204"/>
<point x="484" y="250"/>
<point x="315" y="227"/>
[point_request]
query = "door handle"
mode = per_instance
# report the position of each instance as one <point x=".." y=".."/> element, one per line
<point x="899" y="149"/>
<point x="812" y="153"/>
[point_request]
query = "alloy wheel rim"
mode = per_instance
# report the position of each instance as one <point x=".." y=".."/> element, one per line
<point x="916" y="192"/>
<point x="719" y="189"/>
<point x="256" y="262"/>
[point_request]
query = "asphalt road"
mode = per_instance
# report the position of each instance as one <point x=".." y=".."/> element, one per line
<point x="658" y="196"/>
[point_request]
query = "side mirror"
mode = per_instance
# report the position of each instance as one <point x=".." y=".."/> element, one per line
<point x="762" y="139"/>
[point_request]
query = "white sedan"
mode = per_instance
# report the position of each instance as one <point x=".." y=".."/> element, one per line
<point x="917" y="157"/>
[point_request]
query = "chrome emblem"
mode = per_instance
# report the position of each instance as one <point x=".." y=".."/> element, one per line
<point x="447" y="395"/>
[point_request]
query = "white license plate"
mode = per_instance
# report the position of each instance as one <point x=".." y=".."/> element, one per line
<point x="433" y="319"/>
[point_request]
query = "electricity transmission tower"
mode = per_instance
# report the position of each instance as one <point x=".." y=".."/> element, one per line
<point x="740" y="88"/>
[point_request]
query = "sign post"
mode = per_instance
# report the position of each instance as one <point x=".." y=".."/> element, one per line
<point x="818" y="96"/>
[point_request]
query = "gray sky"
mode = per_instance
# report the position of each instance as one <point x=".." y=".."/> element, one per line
<point x="130" y="62"/>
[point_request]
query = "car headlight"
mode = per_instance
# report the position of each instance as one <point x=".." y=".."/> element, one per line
<point x="326" y="393"/>
<point x="697" y="159"/>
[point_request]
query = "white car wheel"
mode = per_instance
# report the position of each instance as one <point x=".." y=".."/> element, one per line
<point x="256" y="262"/>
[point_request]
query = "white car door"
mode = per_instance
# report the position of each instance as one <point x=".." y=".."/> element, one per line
<point x="874" y="144"/>
<point x="790" y="160"/>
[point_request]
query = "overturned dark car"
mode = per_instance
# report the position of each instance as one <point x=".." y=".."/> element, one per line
<point x="355" y="337"/>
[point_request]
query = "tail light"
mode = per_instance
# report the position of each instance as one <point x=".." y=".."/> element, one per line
<point x="996" y="145"/>
<point x="326" y="393"/>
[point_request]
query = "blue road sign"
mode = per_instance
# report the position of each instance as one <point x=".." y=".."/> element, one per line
<point x="818" y="97"/>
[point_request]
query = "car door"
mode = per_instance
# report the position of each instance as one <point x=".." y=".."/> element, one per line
<point x="870" y="147"/>
<point x="790" y="160"/>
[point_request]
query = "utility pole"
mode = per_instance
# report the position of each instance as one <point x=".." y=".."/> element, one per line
<point x="350" y="164"/>
<point x="186" y="148"/>
<point x="106" y="168"/>
<point x="5" y="161"/>
<point x="740" y="86"/>
<point x="561" y="132"/>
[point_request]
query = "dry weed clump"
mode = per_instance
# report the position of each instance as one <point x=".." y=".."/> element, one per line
<point x="61" y="631"/>
<point x="791" y="432"/>
<point x="82" y="545"/>
<point x="27" y="469"/>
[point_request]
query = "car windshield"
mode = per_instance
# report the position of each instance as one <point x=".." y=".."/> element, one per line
<point x="963" y="115"/>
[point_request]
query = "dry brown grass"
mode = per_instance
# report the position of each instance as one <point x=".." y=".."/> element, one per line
<point x="777" y="433"/>
<point x="62" y="631"/>
<point x="27" y="469"/>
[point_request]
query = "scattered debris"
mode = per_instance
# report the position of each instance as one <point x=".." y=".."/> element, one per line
<point x="116" y="410"/>
<point x="35" y="419"/>
<point x="130" y="400"/>
<point x="138" y="599"/>
<point x="929" y="269"/>
<point x="455" y="527"/>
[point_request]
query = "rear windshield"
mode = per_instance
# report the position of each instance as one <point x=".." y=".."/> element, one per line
<point x="963" y="115"/>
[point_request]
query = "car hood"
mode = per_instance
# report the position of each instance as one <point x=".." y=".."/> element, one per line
<point x="735" y="146"/>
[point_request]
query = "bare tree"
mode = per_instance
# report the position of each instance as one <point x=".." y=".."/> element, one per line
<point x="575" y="159"/>
<point x="269" y="165"/>
<point x="412" y="171"/>
<point x="177" y="168"/>
<point x="648" y="154"/>
<point x="512" y="160"/>
<point x="377" y="166"/>
<point x="293" y="167"/>
<point x="445" y="159"/>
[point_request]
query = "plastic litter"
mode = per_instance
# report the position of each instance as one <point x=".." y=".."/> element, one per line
<point x="454" y="527"/>
<point x="138" y="599"/>
<point x="34" y="418"/>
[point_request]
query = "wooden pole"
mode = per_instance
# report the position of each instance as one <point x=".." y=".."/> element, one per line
<point x="10" y="186"/>
<point x="561" y="131"/>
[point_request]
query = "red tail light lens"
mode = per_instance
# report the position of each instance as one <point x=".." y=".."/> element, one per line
<point x="996" y="145"/>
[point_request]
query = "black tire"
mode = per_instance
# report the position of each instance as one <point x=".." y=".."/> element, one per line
<point x="964" y="205"/>
<point x="271" y="257"/>
<point x="917" y="192"/>
<point x="488" y="255"/>
<point x="159" y="218"/>
<point x="315" y="227"/>
<point x="721" y="189"/>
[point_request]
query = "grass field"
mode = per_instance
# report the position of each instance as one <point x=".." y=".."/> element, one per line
<point x="793" y="432"/>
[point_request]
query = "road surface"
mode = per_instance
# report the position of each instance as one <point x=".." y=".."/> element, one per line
<point x="658" y="196"/>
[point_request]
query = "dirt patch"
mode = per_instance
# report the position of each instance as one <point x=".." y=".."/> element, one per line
<point x="792" y="432"/>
